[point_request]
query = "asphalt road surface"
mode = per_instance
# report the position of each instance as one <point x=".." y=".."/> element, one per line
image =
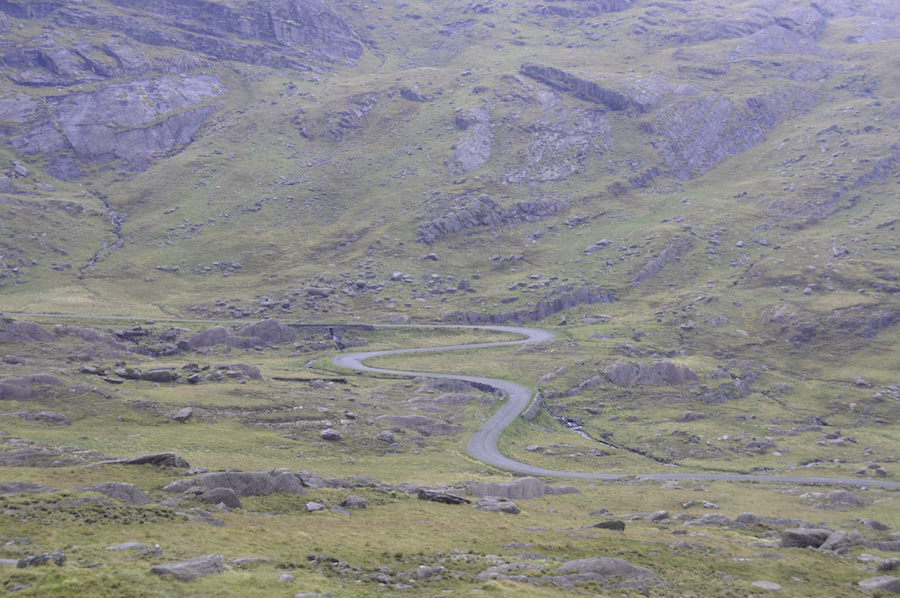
<point x="483" y="444"/>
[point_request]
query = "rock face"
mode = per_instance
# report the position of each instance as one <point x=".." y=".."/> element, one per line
<point x="519" y="489"/>
<point x="561" y="298"/>
<point x="113" y="123"/>
<point x="192" y="569"/>
<point x="656" y="373"/>
<point x="474" y="146"/>
<point x="581" y="88"/>
<point x="467" y="213"/>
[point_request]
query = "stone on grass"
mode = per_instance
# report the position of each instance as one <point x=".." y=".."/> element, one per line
<point x="803" y="537"/>
<point x="225" y="496"/>
<point x="607" y="567"/>
<point x="612" y="524"/>
<point x="34" y="560"/>
<point x="182" y="415"/>
<point x="882" y="583"/>
<point x="195" y="568"/>
<point x="498" y="505"/>
<point x="312" y="506"/>
<point x="354" y="502"/>
<point x="441" y="496"/>
<point x="331" y="435"/>
<point x="243" y="483"/>
<point x="845" y="497"/>
<point x="769" y="586"/>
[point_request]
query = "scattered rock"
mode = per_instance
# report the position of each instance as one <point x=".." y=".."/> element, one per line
<point x="769" y="586"/>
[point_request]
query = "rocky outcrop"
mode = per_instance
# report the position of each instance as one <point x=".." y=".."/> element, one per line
<point x="467" y="213"/>
<point x="582" y="88"/>
<point x="672" y="253"/>
<point x="519" y="489"/>
<point x="192" y="569"/>
<point x="424" y="425"/>
<point x="474" y="146"/>
<point x="699" y="133"/>
<point x="21" y="388"/>
<point x="777" y="39"/>
<point x="607" y="567"/>
<point x="564" y="297"/>
<point x="243" y="483"/>
<point x="123" y="491"/>
<point x="300" y="34"/>
<point x="116" y="122"/>
<point x="656" y="373"/>
<point x="271" y="332"/>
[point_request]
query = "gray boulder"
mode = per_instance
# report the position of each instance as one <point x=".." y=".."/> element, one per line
<point x="160" y="375"/>
<point x="845" y="497"/>
<point x="331" y="435"/>
<point x="225" y="496"/>
<point x="158" y="459"/>
<point x="498" y="505"/>
<point x="271" y="332"/>
<point x="841" y="540"/>
<point x="607" y="567"/>
<point x="803" y="537"/>
<point x="519" y="489"/>
<point x="656" y="373"/>
<point x="119" y="490"/>
<point x="182" y="415"/>
<point x="882" y="583"/>
<point x="195" y="568"/>
<point x="243" y="483"/>
<point x="354" y="502"/>
<point x="56" y="557"/>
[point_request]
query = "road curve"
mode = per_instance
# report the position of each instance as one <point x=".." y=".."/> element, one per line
<point x="483" y="444"/>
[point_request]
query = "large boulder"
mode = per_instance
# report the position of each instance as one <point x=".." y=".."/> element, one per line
<point x="656" y="373"/>
<point x="519" y="489"/>
<point x="271" y="332"/>
<point x="607" y="567"/>
<point x="803" y="537"/>
<point x="497" y="504"/>
<point x="192" y="569"/>
<point x="243" y="483"/>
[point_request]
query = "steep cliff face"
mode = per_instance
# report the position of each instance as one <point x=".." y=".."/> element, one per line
<point x="298" y="27"/>
<point x="131" y="122"/>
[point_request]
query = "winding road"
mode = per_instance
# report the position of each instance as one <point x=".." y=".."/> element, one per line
<point x="483" y="444"/>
